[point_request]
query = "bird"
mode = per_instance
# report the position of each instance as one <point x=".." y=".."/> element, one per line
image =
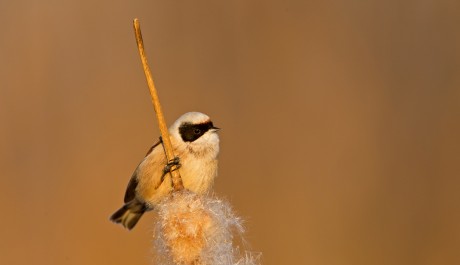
<point x="196" y="146"/>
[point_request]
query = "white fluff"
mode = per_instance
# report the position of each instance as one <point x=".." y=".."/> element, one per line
<point x="199" y="229"/>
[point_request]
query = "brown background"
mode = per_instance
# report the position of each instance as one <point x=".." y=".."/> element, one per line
<point x="340" y="141"/>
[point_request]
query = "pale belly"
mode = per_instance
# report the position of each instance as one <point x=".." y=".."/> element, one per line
<point x="197" y="177"/>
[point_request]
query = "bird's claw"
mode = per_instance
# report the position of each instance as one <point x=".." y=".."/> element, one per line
<point x="171" y="163"/>
<point x="174" y="162"/>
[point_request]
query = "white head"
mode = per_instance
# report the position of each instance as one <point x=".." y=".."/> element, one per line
<point x="197" y="132"/>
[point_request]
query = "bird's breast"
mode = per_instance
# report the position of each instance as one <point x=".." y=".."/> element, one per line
<point x="198" y="175"/>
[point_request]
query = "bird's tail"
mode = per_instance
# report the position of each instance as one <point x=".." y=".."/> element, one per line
<point x="129" y="214"/>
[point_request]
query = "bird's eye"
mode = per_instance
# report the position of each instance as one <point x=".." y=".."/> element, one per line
<point x="197" y="131"/>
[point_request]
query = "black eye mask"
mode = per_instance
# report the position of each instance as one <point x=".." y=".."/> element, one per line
<point x="190" y="132"/>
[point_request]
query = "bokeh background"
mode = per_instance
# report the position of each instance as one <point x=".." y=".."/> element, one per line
<point x="341" y="122"/>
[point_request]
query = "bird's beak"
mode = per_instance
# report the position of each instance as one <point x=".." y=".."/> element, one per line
<point x="215" y="129"/>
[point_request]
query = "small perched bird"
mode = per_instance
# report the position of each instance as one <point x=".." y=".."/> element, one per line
<point x="196" y="143"/>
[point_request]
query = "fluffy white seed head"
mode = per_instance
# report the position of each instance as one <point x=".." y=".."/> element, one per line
<point x="199" y="230"/>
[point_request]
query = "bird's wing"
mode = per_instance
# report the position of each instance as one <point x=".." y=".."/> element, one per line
<point x="131" y="189"/>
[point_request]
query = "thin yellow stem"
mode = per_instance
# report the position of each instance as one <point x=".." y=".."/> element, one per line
<point x="175" y="175"/>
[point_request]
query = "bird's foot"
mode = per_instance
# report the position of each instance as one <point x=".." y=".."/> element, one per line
<point x="171" y="163"/>
<point x="174" y="162"/>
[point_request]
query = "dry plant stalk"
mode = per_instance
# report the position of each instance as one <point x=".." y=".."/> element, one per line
<point x="175" y="175"/>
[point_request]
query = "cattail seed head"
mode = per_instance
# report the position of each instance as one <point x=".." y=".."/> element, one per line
<point x="199" y="230"/>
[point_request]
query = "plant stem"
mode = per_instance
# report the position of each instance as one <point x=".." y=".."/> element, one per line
<point x="175" y="175"/>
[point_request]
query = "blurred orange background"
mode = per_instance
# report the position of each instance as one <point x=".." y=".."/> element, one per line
<point x="341" y="123"/>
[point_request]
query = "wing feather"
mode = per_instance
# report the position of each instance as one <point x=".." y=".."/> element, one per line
<point x="130" y="193"/>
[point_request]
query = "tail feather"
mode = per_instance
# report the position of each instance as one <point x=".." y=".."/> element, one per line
<point x="129" y="214"/>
